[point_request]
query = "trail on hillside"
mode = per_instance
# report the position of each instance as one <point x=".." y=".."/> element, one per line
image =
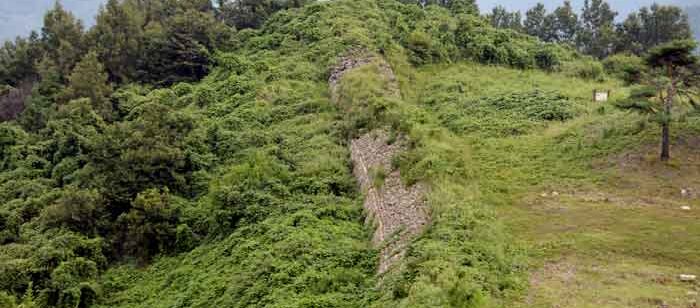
<point x="399" y="211"/>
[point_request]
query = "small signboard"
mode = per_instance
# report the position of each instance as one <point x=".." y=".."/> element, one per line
<point x="601" y="95"/>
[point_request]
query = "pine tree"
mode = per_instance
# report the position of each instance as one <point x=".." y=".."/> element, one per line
<point x="501" y="18"/>
<point x="540" y="24"/>
<point x="596" y="34"/>
<point x="89" y="80"/>
<point x="566" y="24"/>
<point x="62" y="37"/>
<point x="652" y="26"/>
<point x="674" y="80"/>
<point x="244" y="14"/>
<point x="118" y="39"/>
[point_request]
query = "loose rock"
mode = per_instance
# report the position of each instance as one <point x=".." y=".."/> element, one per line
<point x="685" y="208"/>
<point x="685" y="192"/>
<point x="687" y="278"/>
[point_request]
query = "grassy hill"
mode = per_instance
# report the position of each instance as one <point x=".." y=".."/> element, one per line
<point x="464" y="260"/>
<point x="538" y="196"/>
<point x="484" y="138"/>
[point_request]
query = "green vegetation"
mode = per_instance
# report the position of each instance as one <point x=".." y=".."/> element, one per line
<point x="594" y="31"/>
<point x="164" y="158"/>
<point x="675" y="62"/>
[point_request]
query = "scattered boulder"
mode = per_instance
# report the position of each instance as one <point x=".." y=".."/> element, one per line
<point x="685" y="208"/>
<point x="687" y="278"/>
<point x="685" y="193"/>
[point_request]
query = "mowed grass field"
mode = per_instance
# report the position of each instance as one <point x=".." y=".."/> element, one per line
<point x="602" y="221"/>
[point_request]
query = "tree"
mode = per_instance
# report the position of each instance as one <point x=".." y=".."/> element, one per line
<point x="147" y="151"/>
<point x="501" y="18"/>
<point x="18" y="59"/>
<point x="118" y="39"/>
<point x="676" y="66"/>
<point x="89" y="80"/>
<point x="652" y="26"/>
<point x="244" y="14"/>
<point x="535" y="21"/>
<point x="150" y="227"/>
<point x="566" y="23"/>
<point x="62" y="37"/>
<point x="596" y="34"/>
<point x="178" y="43"/>
<point x="540" y="24"/>
<point x="460" y="6"/>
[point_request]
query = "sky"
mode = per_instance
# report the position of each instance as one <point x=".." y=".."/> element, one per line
<point x="624" y="7"/>
<point x="19" y="17"/>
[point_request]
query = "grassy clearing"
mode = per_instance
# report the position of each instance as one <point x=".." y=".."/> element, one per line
<point x="600" y="219"/>
<point x="622" y="243"/>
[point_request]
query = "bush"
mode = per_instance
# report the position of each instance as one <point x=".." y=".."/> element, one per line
<point x="419" y="44"/>
<point x="547" y="58"/>
<point x="586" y="69"/>
<point x="151" y="226"/>
<point x="626" y="67"/>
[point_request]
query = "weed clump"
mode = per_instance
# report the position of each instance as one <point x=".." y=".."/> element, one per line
<point x="507" y="114"/>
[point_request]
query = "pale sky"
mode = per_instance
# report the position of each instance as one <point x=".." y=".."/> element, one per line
<point x="624" y="7"/>
<point x="19" y="17"/>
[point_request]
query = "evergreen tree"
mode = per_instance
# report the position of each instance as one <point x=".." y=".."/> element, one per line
<point x="673" y="80"/>
<point x="180" y="49"/>
<point x="540" y="24"/>
<point x="652" y="26"/>
<point x="566" y="23"/>
<point x="253" y="13"/>
<point x="18" y="59"/>
<point x="89" y="80"/>
<point x="501" y="18"/>
<point x="118" y="39"/>
<point x="596" y="34"/>
<point x="62" y="37"/>
<point x="460" y="6"/>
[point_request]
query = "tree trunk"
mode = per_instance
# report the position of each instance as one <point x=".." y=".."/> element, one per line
<point x="665" y="126"/>
<point x="665" y="142"/>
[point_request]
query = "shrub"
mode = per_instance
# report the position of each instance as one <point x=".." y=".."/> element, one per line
<point x="150" y="227"/>
<point x="626" y="67"/>
<point x="547" y="58"/>
<point x="585" y="69"/>
<point x="420" y="45"/>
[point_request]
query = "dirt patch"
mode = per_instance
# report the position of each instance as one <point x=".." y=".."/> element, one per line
<point x="563" y="272"/>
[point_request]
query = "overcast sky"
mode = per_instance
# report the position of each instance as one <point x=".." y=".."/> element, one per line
<point x="19" y="17"/>
<point x="622" y="6"/>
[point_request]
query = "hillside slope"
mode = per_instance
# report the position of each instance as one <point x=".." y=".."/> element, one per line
<point x="246" y="189"/>
<point x="314" y="40"/>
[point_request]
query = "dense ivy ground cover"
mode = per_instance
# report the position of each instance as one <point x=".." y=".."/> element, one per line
<point x="235" y="191"/>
